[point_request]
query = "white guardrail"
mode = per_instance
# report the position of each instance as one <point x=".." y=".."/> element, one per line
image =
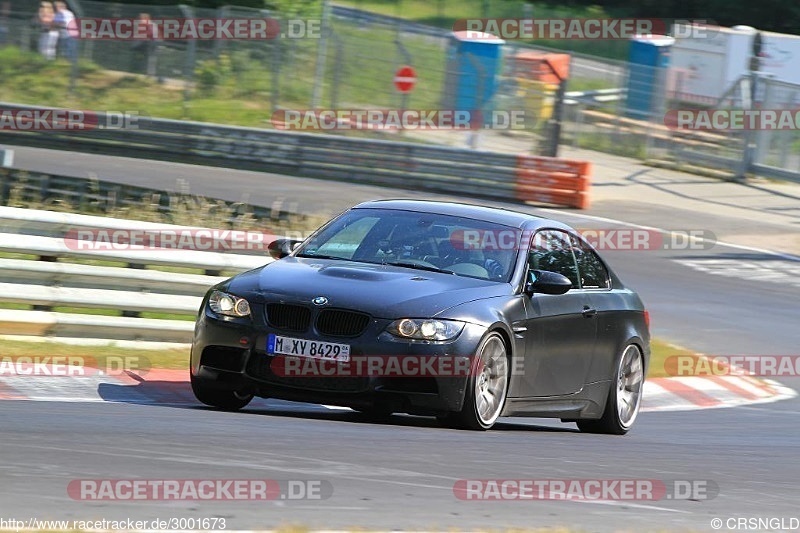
<point x="39" y="268"/>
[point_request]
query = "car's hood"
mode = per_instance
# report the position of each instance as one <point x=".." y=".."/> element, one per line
<point x="380" y="290"/>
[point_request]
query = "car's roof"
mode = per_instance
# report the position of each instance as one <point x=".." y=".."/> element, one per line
<point x="497" y="215"/>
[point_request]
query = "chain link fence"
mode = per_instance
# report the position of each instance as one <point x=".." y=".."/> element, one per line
<point x="348" y="60"/>
<point x="349" y="63"/>
<point x="779" y="148"/>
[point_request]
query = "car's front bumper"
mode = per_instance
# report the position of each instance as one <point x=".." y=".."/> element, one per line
<point x="231" y="354"/>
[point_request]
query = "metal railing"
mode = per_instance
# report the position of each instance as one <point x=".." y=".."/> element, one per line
<point x="368" y="161"/>
<point x="56" y="275"/>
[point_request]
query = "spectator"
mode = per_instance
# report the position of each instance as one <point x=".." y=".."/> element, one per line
<point x="5" y="11"/>
<point x="67" y="31"/>
<point x="145" y="50"/>
<point x="48" y="33"/>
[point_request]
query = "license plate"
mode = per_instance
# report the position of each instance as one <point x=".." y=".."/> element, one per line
<point x="277" y="345"/>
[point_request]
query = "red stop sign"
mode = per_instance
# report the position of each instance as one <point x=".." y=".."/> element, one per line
<point x="404" y="79"/>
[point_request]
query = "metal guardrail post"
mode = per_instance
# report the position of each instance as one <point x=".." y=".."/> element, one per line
<point x="337" y="69"/>
<point x="553" y="126"/>
<point x="322" y="54"/>
<point x="763" y="137"/>
<point x="191" y="51"/>
<point x="553" y="138"/>
<point x="748" y="97"/>
<point x="275" y="75"/>
<point x="74" y="71"/>
<point x="409" y="60"/>
<point x="222" y="13"/>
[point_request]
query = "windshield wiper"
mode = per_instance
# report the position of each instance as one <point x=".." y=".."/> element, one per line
<point x="411" y="264"/>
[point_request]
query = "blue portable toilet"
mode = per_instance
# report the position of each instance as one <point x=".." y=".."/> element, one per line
<point x="473" y="63"/>
<point x="648" y="59"/>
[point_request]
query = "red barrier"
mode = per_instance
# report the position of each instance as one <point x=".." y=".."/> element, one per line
<point x="552" y="180"/>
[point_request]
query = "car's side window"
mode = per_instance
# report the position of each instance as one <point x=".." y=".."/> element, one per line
<point x="593" y="273"/>
<point x="552" y="250"/>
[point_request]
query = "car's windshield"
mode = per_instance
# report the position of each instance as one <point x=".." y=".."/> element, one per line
<point x="427" y="241"/>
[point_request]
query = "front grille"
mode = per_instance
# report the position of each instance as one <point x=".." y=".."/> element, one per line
<point x="288" y="317"/>
<point x="341" y="323"/>
<point x="258" y="367"/>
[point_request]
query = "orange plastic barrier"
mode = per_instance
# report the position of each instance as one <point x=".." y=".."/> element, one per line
<point x="540" y="66"/>
<point x="551" y="180"/>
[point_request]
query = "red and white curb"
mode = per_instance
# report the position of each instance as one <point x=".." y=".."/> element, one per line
<point x="171" y="387"/>
<point x="710" y="392"/>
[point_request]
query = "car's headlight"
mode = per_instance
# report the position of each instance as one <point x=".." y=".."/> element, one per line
<point x="425" y="329"/>
<point x="226" y="304"/>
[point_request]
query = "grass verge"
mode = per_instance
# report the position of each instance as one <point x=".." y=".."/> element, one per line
<point x="170" y="359"/>
<point x="660" y="351"/>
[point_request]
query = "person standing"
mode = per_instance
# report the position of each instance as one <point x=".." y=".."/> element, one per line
<point x="145" y="50"/>
<point x="5" y="11"/>
<point x="67" y="31"/>
<point x="48" y="33"/>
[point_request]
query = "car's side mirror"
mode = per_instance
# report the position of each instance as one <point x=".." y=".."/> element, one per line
<point x="280" y="248"/>
<point x="546" y="282"/>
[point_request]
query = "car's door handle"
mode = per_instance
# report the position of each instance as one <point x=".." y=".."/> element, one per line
<point x="589" y="311"/>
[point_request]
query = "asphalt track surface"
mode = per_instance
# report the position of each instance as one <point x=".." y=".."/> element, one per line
<point x="400" y="474"/>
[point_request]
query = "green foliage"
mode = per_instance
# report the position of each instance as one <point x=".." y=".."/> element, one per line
<point x="258" y="4"/>
<point x="291" y="8"/>
<point x="211" y="73"/>
<point x="296" y="8"/>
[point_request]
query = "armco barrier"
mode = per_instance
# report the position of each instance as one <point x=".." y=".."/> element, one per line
<point x="405" y="165"/>
<point x="553" y="181"/>
<point x="103" y="196"/>
<point x="55" y="276"/>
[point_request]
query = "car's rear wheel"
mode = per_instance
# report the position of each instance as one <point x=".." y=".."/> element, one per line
<point x="229" y="400"/>
<point x="487" y="387"/>
<point x="624" y="396"/>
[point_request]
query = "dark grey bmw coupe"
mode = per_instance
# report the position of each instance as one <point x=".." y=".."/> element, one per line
<point x="462" y="312"/>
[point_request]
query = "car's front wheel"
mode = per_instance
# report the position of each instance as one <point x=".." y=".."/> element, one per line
<point x="624" y="396"/>
<point x="229" y="400"/>
<point x="487" y="387"/>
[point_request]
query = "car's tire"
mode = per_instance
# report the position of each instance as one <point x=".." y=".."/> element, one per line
<point x="624" y="396"/>
<point x="487" y="387"/>
<point x="228" y="400"/>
